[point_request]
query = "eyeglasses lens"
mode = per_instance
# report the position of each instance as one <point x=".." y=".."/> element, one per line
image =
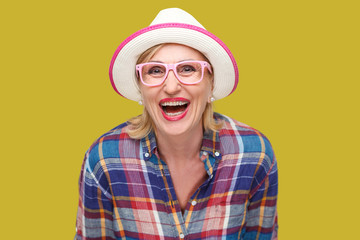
<point x="153" y="73"/>
<point x="189" y="72"/>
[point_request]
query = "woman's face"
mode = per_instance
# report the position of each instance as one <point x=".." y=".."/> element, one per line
<point x="174" y="107"/>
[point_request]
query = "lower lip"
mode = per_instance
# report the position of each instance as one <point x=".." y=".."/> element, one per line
<point x="174" y="118"/>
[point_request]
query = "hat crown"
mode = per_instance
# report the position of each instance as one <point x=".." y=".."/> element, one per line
<point x="175" y="15"/>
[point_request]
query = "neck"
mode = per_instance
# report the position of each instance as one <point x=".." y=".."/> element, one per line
<point x="180" y="149"/>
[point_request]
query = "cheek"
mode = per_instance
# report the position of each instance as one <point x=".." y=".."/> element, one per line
<point x="146" y="94"/>
<point x="149" y="101"/>
<point x="204" y="95"/>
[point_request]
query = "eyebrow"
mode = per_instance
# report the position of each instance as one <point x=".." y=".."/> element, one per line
<point x="155" y="61"/>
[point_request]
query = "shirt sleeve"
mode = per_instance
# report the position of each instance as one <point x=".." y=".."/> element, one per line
<point x="261" y="218"/>
<point x="95" y="210"/>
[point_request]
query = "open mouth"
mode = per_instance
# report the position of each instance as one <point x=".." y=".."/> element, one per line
<point x="174" y="107"/>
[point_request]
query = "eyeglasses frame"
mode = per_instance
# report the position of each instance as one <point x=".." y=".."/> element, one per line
<point x="172" y="67"/>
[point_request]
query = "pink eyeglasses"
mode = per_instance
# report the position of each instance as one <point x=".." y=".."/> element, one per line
<point x="187" y="72"/>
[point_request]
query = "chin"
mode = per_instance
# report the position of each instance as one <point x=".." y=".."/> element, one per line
<point x="173" y="128"/>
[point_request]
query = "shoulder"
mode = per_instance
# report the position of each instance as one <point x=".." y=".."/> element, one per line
<point x="108" y="145"/>
<point x="239" y="138"/>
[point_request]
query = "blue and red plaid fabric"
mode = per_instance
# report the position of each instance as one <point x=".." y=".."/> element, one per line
<point x="126" y="190"/>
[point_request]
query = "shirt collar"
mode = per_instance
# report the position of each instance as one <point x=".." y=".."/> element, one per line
<point x="210" y="151"/>
<point x="211" y="144"/>
<point x="148" y="144"/>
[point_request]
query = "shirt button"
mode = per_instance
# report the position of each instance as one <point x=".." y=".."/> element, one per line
<point x="193" y="203"/>
<point x="217" y="154"/>
<point x="205" y="153"/>
<point x="182" y="235"/>
<point x="147" y="154"/>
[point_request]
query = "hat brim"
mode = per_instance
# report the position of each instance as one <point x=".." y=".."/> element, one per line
<point x="122" y="67"/>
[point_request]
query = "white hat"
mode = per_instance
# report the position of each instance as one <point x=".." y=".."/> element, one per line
<point x="172" y="25"/>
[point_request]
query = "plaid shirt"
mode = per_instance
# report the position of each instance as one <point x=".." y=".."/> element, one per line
<point x="126" y="190"/>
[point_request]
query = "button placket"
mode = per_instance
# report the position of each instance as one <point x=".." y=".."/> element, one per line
<point x="173" y="206"/>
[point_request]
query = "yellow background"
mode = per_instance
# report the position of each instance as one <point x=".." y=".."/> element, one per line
<point x="299" y="85"/>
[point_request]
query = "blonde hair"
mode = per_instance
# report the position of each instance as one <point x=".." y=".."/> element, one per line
<point x="140" y="126"/>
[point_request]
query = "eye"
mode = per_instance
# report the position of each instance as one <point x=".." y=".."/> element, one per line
<point x="189" y="69"/>
<point x="186" y="69"/>
<point x="155" y="70"/>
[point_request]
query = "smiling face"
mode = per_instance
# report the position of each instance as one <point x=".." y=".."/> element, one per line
<point x="174" y="107"/>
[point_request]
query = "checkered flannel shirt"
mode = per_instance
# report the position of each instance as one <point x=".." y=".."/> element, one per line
<point x="126" y="191"/>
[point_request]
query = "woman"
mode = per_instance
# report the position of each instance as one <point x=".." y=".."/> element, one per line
<point x="178" y="171"/>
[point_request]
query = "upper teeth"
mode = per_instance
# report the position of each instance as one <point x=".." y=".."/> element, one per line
<point x="178" y="103"/>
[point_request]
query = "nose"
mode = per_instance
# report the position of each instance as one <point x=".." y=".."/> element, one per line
<point x="171" y="84"/>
